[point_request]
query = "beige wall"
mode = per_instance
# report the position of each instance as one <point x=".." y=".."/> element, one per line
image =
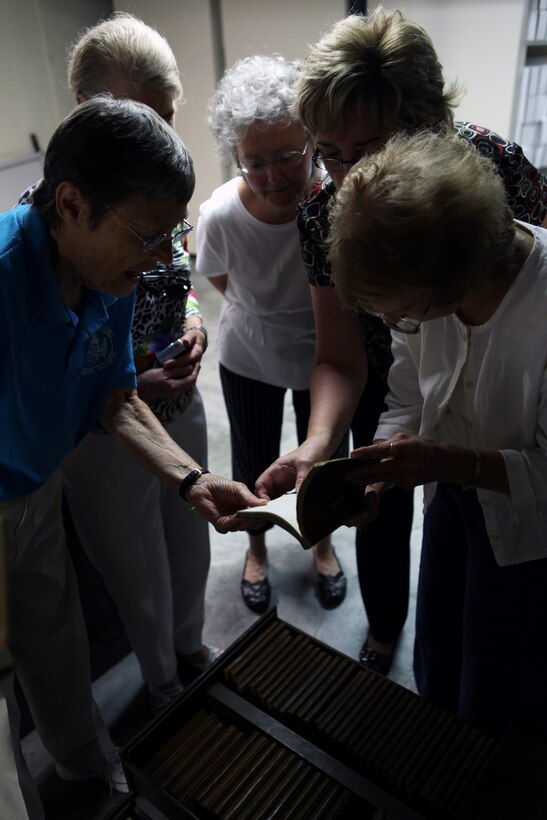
<point x="34" y="36"/>
<point x="479" y="43"/>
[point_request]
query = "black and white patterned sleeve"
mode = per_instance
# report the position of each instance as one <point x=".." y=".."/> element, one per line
<point x="313" y="229"/>
<point x="526" y="186"/>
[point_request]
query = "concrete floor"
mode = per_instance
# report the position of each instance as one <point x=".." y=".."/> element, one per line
<point x="119" y="692"/>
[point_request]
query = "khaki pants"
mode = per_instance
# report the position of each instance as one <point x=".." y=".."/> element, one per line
<point x="152" y="553"/>
<point x="47" y="631"/>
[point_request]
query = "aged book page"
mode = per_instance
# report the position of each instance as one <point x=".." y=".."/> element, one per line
<point x="324" y="502"/>
<point x="281" y="511"/>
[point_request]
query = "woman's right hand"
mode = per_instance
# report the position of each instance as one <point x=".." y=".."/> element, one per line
<point x="288" y="471"/>
<point x="218" y="499"/>
<point x="167" y="382"/>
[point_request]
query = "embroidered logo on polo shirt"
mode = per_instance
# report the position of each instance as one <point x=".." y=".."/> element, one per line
<point x="101" y="351"/>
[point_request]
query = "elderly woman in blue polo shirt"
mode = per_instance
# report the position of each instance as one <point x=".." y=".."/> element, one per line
<point x="68" y="267"/>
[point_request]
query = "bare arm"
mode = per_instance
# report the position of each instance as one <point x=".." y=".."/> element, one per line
<point x="338" y="380"/>
<point x="340" y="371"/>
<point x="138" y="431"/>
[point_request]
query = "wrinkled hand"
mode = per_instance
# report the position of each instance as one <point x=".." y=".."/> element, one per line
<point x="217" y="499"/>
<point x="288" y="471"/>
<point x="404" y="460"/>
<point x="176" y="375"/>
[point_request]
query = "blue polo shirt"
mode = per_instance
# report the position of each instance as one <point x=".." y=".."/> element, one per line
<point x="56" y="368"/>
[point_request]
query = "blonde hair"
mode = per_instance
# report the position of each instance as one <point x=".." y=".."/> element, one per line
<point x="126" y="45"/>
<point x="427" y="212"/>
<point x="383" y="61"/>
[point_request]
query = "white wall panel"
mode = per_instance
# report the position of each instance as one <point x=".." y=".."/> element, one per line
<point x="479" y="43"/>
<point x="34" y="36"/>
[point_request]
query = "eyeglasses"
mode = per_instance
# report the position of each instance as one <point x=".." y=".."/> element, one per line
<point x="330" y="164"/>
<point x="150" y="245"/>
<point x="404" y="324"/>
<point x="285" y="161"/>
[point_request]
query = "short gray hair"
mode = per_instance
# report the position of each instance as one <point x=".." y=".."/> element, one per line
<point x="255" y="89"/>
<point x="427" y="212"/>
<point x="113" y="150"/>
<point x="125" y="44"/>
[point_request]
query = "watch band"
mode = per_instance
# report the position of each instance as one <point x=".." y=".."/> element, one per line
<point x="188" y="481"/>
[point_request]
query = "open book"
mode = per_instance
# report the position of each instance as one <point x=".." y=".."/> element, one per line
<point x="324" y="502"/>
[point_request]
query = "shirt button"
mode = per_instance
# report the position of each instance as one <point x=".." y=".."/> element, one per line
<point x="494" y="538"/>
<point x="485" y="502"/>
<point x="469" y="383"/>
<point x="469" y="425"/>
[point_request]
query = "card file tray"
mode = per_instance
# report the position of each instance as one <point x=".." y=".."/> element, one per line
<point x="284" y="726"/>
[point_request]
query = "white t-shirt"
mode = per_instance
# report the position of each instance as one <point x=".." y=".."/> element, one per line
<point x="266" y="328"/>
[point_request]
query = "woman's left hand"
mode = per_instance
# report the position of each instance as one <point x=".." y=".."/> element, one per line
<point x="404" y="460"/>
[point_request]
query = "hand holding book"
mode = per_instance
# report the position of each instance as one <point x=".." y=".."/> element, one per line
<point x="324" y="502"/>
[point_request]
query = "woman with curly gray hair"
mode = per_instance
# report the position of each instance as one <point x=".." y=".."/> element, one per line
<point x="247" y="244"/>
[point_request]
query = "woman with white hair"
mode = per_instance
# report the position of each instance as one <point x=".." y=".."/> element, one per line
<point x="247" y="244"/>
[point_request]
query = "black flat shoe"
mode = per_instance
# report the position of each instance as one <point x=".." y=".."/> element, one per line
<point x="256" y="596"/>
<point x="331" y="589"/>
<point x="375" y="661"/>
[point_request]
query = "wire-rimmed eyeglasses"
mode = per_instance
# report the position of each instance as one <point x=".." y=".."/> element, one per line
<point x="150" y="245"/>
<point x="284" y="162"/>
<point x="404" y="324"/>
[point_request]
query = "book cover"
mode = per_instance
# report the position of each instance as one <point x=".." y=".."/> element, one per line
<point x="324" y="502"/>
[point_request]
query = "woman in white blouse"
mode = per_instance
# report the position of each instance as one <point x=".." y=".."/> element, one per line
<point x="423" y="237"/>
